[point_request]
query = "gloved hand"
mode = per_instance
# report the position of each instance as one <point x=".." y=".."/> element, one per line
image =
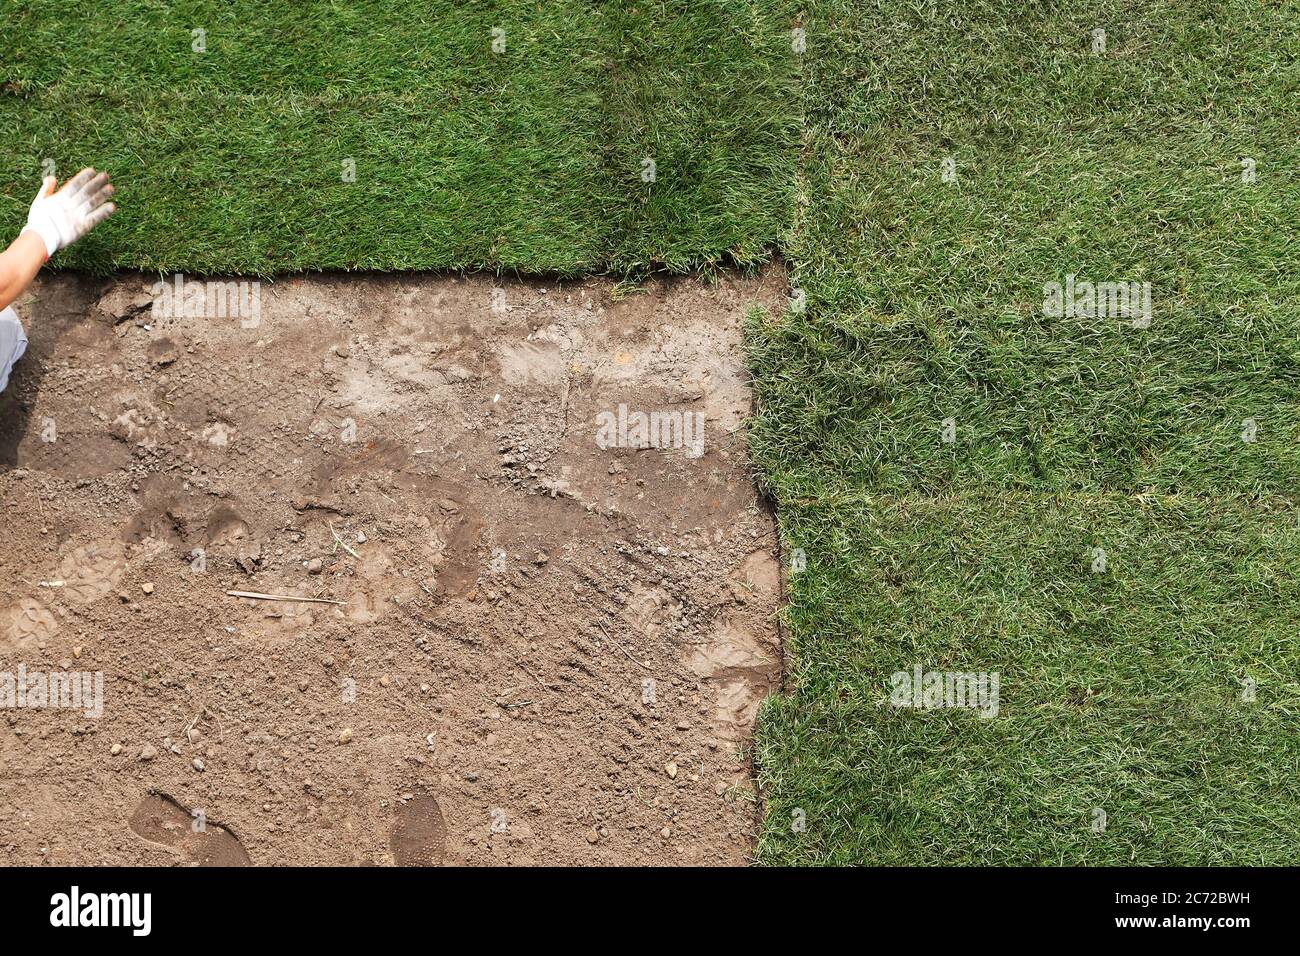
<point x="61" y="218"/>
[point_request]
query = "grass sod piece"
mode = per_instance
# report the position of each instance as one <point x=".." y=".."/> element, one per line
<point x="1120" y="690"/>
<point x="708" y="95"/>
<point x="925" y="297"/>
<point x="488" y="159"/>
<point x="464" y="157"/>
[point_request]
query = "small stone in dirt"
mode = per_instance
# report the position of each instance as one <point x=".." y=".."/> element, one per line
<point x="346" y="736"/>
<point x="315" y="565"/>
<point x="147" y="587"/>
<point x="361" y="537"/>
<point x="592" y="835"/>
<point x="198" y="764"/>
<point x="666" y="832"/>
<point x="115" y="749"/>
<point x="149" y="752"/>
<point x="671" y="770"/>
<point x="384" y="681"/>
<point x="192" y="735"/>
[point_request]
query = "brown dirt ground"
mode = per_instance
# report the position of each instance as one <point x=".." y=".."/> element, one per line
<point x="405" y="433"/>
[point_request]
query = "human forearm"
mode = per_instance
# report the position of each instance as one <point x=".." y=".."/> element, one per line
<point x="19" y="265"/>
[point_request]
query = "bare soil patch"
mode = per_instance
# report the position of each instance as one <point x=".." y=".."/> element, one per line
<point x="542" y="651"/>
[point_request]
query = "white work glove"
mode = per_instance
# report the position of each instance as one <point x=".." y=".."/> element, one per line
<point x="61" y="218"/>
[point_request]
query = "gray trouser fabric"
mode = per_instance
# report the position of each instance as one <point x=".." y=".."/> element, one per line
<point x="13" y="343"/>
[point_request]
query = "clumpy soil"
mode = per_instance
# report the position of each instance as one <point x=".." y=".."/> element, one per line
<point x="542" y="651"/>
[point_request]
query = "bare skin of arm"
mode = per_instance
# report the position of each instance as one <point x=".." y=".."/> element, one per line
<point x="19" y="265"/>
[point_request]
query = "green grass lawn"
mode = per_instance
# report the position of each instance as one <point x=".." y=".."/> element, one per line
<point x="1124" y="689"/>
<point x="1119" y="691"/>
